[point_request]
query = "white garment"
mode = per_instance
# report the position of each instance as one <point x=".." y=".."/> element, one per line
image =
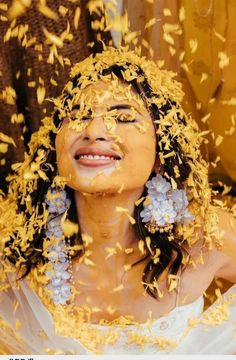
<point x="169" y="327"/>
<point x="34" y="317"/>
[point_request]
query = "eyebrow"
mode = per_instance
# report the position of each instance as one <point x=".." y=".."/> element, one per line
<point x="76" y="106"/>
<point x="122" y="106"/>
<point x="113" y="107"/>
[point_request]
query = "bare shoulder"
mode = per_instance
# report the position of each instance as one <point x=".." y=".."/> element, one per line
<point x="224" y="241"/>
<point x="208" y="260"/>
<point x="215" y="249"/>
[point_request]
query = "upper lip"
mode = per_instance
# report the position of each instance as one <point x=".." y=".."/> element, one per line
<point x="87" y="150"/>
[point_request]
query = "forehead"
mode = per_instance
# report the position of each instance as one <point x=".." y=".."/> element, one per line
<point x="110" y="91"/>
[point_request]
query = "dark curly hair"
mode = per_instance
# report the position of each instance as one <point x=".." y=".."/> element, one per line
<point x="170" y="252"/>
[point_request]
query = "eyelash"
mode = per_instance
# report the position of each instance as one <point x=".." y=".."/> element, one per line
<point x="126" y="121"/>
<point x="83" y="119"/>
<point x="117" y="119"/>
<point x="123" y="120"/>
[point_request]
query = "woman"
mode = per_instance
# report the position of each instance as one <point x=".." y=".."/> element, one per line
<point x="112" y="232"/>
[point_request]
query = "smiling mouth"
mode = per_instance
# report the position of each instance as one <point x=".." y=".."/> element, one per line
<point x="95" y="160"/>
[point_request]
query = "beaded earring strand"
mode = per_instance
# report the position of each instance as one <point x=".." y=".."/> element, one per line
<point x="59" y="282"/>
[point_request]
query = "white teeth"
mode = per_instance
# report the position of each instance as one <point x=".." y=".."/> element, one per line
<point x="96" y="157"/>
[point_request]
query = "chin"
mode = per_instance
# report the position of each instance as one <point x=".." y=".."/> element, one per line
<point x="89" y="186"/>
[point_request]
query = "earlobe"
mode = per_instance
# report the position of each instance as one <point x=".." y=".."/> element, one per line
<point x="157" y="166"/>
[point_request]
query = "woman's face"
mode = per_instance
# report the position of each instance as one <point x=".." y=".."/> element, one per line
<point x="115" y="149"/>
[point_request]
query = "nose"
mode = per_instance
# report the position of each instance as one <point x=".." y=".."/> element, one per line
<point x="96" y="130"/>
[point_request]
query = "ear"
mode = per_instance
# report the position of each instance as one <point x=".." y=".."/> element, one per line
<point x="157" y="167"/>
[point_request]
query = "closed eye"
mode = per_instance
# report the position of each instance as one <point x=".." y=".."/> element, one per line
<point x="125" y="118"/>
<point x="84" y="115"/>
<point x="83" y="118"/>
<point x="127" y="121"/>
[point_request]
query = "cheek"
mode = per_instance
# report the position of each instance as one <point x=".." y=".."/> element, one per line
<point x="62" y="145"/>
<point x="143" y="159"/>
<point x="140" y="149"/>
<point x="142" y="144"/>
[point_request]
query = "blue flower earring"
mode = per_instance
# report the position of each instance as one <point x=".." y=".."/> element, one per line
<point x="164" y="206"/>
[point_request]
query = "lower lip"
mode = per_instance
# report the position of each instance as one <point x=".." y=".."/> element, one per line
<point x="95" y="162"/>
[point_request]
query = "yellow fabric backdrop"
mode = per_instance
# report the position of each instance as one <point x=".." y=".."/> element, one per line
<point x="204" y="33"/>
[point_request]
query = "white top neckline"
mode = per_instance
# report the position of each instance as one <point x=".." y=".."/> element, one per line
<point x="194" y="309"/>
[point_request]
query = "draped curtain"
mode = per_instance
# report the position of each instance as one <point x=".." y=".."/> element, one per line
<point x="202" y="51"/>
<point x="32" y="66"/>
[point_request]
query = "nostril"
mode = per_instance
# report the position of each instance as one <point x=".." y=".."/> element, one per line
<point x="96" y="139"/>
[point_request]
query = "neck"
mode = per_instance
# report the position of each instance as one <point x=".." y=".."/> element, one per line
<point x="101" y="216"/>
